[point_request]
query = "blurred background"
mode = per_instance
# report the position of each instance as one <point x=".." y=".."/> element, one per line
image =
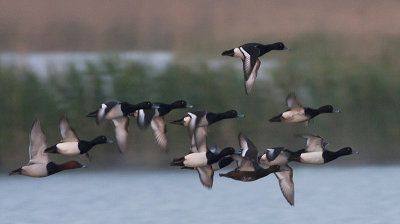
<point x="67" y="57"/>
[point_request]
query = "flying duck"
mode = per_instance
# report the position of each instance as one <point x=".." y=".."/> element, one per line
<point x="280" y="156"/>
<point x="154" y="117"/>
<point x="200" y="159"/>
<point x="248" y="167"/>
<point x="315" y="152"/>
<point x="118" y="112"/>
<point x="296" y="113"/>
<point x="39" y="164"/>
<point x="71" y="144"/>
<point x="249" y="54"/>
<point x="196" y="119"/>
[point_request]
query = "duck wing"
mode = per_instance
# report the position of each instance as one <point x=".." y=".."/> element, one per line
<point x="37" y="145"/>
<point x="250" y="54"/>
<point x="107" y="108"/>
<point x="286" y="184"/>
<point x="206" y="175"/>
<point x="67" y="133"/>
<point x="200" y="136"/>
<point x="291" y="101"/>
<point x="271" y="154"/>
<point x="314" y="143"/>
<point x="249" y="81"/>
<point x="249" y="150"/>
<point x="160" y="131"/>
<point x="145" y="117"/>
<point x="121" y="132"/>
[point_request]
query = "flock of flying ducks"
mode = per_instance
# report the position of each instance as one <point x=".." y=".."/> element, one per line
<point x="250" y="165"/>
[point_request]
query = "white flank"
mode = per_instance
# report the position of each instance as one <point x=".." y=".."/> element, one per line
<point x="35" y="170"/>
<point x="68" y="148"/>
<point x="312" y="158"/>
<point x="195" y="160"/>
<point x="294" y="116"/>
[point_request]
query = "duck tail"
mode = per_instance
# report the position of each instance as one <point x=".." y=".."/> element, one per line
<point x="178" y="162"/>
<point x="92" y="114"/>
<point x="16" y="172"/>
<point x="276" y="118"/>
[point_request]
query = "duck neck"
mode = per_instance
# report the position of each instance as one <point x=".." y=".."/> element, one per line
<point x="127" y="108"/>
<point x="212" y="117"/>
<point x="53" y="168"/>
<point x="329" y="156"/>
<point x="265" y="49"/>
<point x="310" y="112"/>
<point x="85" y="146"/>
<point x="212" y="158"/>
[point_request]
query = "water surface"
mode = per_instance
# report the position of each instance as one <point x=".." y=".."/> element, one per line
<point x="322" y="195"/>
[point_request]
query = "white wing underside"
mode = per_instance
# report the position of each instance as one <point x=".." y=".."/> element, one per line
<point x="252" y="78"/>
<point x="286" y="184"/>
<point x="121" y="132"/>
<point x="206" y="175"/>
<point x="160" y="131"/>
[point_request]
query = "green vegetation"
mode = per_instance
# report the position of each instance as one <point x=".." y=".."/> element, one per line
<point x="367" y="90"/>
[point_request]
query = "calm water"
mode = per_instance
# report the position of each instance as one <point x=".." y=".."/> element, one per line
<point x="323" y="195"/>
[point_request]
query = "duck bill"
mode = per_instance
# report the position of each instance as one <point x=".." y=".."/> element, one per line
<point x="283" y="170"/>
<point x="335" y="110"/>
<point x="237" y="152"/>
<point x="83" y="166"/>
<point x="155" y="106"/>
<point x="228" y="53"/>
<point x="109" y="141"/>
<point x="286" y="48"/>
<point x="240" y="115"/>
<point x="354" y="152"/>
<point x="178" y="122"/>
<point x="189" y="106"/>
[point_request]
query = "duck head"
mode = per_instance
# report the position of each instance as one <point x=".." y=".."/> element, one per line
<point x="232" y="114"/>
<point x="185" y="121"/>
<point x="101" y="140"/>
<point x="279" y="46"/>
<point x="346" y="151"/>
<point x="328" y="109"/>
<point x="181" y="104"/>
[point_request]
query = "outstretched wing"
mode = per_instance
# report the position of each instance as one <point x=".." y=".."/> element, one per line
<point x="314" y="143"/>
<point x="250" y="54"/>
<point x="286" y="184"/>
<point x="249" y="82"/>
<point x="206" y="175"/>
<point x="200" y="136"/>
<point x="37" y="145"/>
<point x="291" y="101"/>
<point x="67" y="133"/>
<point x="160" y="131"/>
<point x="121" y="132"/>
<point x="249" y="150"/>
<point x="145" y="117"/>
